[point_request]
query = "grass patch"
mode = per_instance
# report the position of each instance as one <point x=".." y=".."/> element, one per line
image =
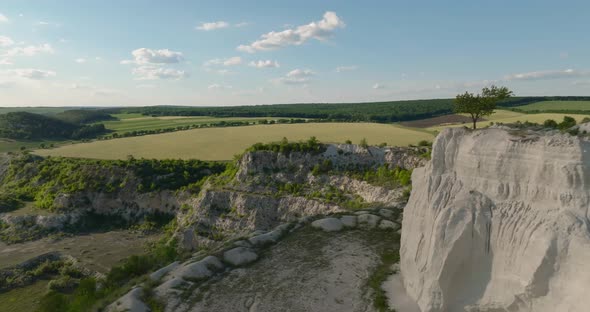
<point x="381" y="273"/>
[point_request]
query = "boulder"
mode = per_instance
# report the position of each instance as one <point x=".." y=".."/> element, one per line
<point x="348" y="221"/>
<point x="368" y="220"/>
<point x="328" y="224"/>
<point x="240" y="256"/>
<point x="388" y="225"/>
<point x="130" y="302"/>
<point x="156" y="276"/>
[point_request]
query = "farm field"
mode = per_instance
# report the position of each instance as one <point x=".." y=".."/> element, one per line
<point x="557" y="105"/>
<point x="137" y="122"/>
<point x="223" y="143"/>
<point x="505" y="116"/>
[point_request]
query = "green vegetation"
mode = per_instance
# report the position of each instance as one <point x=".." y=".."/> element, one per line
<point x="223" y="143"/>
<point x="29" y="126"/>
<point x="580" y="107"/>
<point x="312" y="145"/>
<point x="25" y="298"/>
<point x="480" y="105"/>
<point x="382" y="112"/>
<point x="9" y="203"/>
<point x="378" y="277"/>
<point x="83" y="116"/>
<point x="88" y="296"/>
<point x="383" y="176"/>
<point x="43" y="179"/>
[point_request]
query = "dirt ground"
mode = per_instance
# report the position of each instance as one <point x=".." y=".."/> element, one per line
<point x="309" y="271"/>
<point x="96" y="251"/>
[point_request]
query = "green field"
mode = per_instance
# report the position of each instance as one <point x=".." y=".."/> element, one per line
<point x="504" y="116"/>
<point x="223" y="143"/>
<point x="137" y="122"/>
<point x="556" y="106"/>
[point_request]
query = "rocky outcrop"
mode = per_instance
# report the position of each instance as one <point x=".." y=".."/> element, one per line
<point x="499" y="222"/>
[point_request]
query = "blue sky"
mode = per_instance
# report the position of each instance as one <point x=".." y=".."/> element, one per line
<point x="57" y="53"/>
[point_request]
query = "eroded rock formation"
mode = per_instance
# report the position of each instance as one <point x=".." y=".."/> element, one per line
<point x="499" y="221"/>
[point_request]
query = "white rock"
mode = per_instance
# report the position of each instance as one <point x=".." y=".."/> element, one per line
<point x="388" y="225"/>
<point x="170" y="286"/>
<point x="130" y="302"/>
<point x="348" y="221"/>
<point x="368" y="220"/>
<point x="242" y="243"/>
<point x="498" y="222"/>
<point x="156" y="276"/>
<point x="328" y="224"/>
<point x="201" y="269"/>
<point x="240" y="256"/>
<point x="270" y="237"/>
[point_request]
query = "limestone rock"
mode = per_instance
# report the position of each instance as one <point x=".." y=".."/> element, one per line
<point x="348" y="221"/>
<point x="498" y="222"/>
<point x="240" y="256"/>
<point x="368" y="220"/>
<point x="130" y="302"/>
<point x="201" y="269"/>
<point x="388" y="225"/>
<point x="328" y="224"/>
<point x="156" y="276"/>
<point x="385" y="213"/>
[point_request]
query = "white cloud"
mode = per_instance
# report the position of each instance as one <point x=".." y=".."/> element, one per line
<point x="264" y="64"/>
<point x="29" y="50"/>
<point x="242" y="24"/>
<point x="155" y="72"/>
<point x="548" y="74"/>
<point x="5" y="62"/>
<point x="297" y="77"/>
<point x="236" y="60"/>
<point x="320" y="30"/>
<point x="300" y="73"/>
<point x="378" y="86"/>
<point x="340" y="69"/>
<point x="30" y="73"/>
<point x="80" y="60"/>
<point x="232" y="61"/>
<point x="217" y="86"/>
<point x="6" y="41"/>
<point x="143" y="56"/>
<point x="213" y="25"/>
<point x="3" y="18"/>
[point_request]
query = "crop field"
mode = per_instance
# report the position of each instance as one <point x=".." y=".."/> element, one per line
<point x="557" y="106"/>
<point x="505" y="116"/>
<point x="137" y="122"/>
<point x="223" y="143"/>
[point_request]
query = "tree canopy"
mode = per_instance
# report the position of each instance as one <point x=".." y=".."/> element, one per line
<point x="480" y="105"/>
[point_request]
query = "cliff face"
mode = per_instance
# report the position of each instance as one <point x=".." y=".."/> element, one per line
<point x="499" y="222"/>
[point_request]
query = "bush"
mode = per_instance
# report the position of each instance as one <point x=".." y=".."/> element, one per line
<point x="550" y="123"/>
<point x="567" y="123"/>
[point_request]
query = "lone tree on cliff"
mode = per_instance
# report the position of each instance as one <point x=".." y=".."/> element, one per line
<point x="482" y="104"/>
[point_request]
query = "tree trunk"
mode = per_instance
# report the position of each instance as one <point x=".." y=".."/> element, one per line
<point x="474" y="121"/>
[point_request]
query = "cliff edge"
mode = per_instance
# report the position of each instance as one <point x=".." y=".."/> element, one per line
<point x="499" y="221"/>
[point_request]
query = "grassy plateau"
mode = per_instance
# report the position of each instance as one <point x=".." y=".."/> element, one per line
<point x="223" y="143"/>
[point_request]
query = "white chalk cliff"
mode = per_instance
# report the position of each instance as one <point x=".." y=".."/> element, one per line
<point x="499" y="222"/>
